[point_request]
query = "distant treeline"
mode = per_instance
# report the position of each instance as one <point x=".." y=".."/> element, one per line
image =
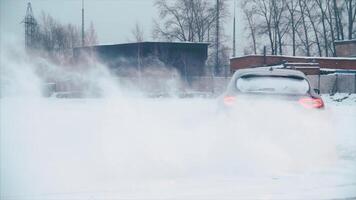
<point x="196" y="21"/>
<point x="299" y="27"/>
<point x="54" y="40"/>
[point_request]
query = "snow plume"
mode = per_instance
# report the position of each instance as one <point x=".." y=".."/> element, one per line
<point x="154" y="148"/>
<point x="133" y="147"/>
<point x="151" y="77"/>
<point x="17" y="75"/>
<point x="32" y="75"/>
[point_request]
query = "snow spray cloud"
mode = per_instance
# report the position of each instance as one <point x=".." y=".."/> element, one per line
<point x="83" y="77"/>
<point x="31" y="75"/>
<point x="17" y="76"/>
<point x="125" y="147"/>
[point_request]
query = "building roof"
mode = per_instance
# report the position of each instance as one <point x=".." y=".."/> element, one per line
<point x="260" y="60"/>
<point x="268" y="71"/>
<point x="298" y="57"/>
<point x="345" y="41"/>
<point x="150" y="42"/>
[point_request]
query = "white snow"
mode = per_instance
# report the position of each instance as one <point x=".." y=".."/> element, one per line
<point x="340" y="99"/>
<point x="127" y="148"/>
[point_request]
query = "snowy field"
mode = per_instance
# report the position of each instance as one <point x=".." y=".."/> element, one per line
<point x="137" y="148"/>
<point x="125" y="146"/>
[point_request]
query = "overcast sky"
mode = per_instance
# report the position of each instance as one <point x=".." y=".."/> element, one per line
<point x="113" y="19"/>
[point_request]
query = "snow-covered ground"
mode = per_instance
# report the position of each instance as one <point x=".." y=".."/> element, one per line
<point x="125" y="146"/>
<point x="340" y="99"/>
<point x="137" y="148"/>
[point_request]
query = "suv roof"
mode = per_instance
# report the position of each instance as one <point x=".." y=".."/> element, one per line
<point x="269" y="71"/>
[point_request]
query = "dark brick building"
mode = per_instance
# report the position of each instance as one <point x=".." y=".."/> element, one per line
<point x="260" y="60"/>
<point x="126" y="59"/>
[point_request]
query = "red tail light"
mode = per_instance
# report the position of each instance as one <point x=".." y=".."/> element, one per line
<point x="229" y="100"/>
<point x="309" y="102"/>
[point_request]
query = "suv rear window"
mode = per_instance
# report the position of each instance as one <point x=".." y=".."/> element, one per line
<point x="272" y="84"/>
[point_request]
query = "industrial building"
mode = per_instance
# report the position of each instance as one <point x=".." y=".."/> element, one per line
<point x="129" y="59"/>
<point x="345" y="51"/>
<point x="261" y="60"/>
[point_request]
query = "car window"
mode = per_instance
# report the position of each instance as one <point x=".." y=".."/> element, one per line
<point x="270" y="84"/>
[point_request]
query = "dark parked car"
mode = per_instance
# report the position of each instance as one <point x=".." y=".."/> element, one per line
<point x="271" y="83"/>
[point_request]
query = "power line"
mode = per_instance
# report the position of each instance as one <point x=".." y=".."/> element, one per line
<point x="30" y="27"/>
<point x="217" y="38"/>
<point x="83" y="23"/>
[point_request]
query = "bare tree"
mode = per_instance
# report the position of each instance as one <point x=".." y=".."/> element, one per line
<point x="194" y="21"/>
<point x="137" y="32"/>
<point x="187" y="20"/>
<point x="313" y="18"/>
<point x="312" y="26"/>
<point x="294" y="19"/>
<point x="280" y="28"/>
<point x="249" y="13"/>
<point x="264" y="9"/>
<point x="91" y="37"/>
<point x="56" y="41"/>
<point x="305" y="38"/>
<point x="338" y="23"/>
<point x="351" y="16"/>
<point x="322" y="9"/>
<point x="330" y="21"/>
<point x="73" y="36"/>
<point x="249" y="16"/>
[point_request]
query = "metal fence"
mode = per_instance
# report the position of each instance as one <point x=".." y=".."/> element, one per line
<point x="209" y="85"/>
<point x="334" y="83"/>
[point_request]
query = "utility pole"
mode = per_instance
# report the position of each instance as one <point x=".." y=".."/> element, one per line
<point x="234" y="32"/>
<point x="217" y="38"/>
<point x="83" y="23"/>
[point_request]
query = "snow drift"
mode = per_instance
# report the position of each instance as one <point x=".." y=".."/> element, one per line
<point x="127" y="146"/>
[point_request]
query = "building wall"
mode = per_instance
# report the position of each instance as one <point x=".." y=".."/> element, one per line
<point x="329" y="84"/>
<point x="346" y="48"/>
<point x="206" y="85"/>
<point x="260" y="60"/>
<point x="126" y="59"/>
<point x="332" y="83"/>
